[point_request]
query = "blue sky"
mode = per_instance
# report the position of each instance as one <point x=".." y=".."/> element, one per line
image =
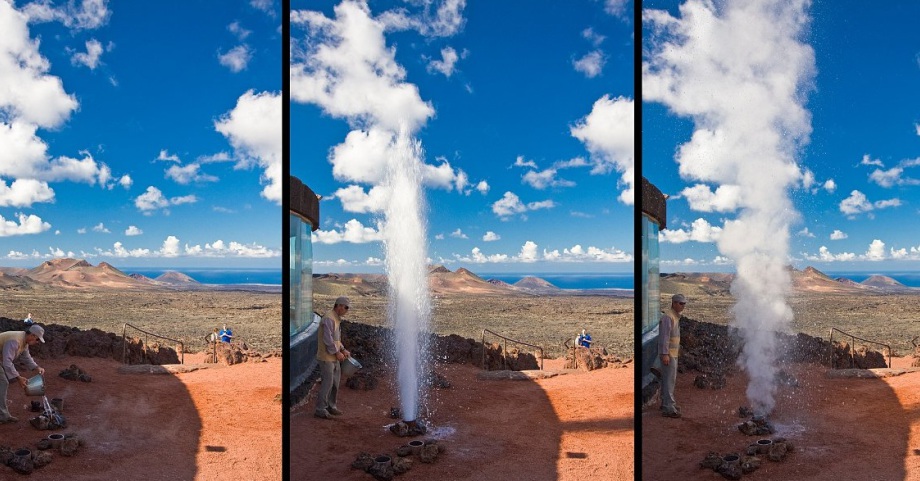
<point x="856" y="149"/>
<point x="141" y="133"/>
<point x="523" y="111"/>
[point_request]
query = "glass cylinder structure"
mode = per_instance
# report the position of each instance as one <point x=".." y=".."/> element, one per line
<point x="301" y="321"/>
<point x="653" y="220"/>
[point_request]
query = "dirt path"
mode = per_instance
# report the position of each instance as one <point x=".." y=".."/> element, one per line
<point x="841" y="428"/>
<point x="191" y="426"/>
<point x="561" y="428"/>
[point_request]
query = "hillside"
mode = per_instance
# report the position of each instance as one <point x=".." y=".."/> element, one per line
<point x="808" y="280"/>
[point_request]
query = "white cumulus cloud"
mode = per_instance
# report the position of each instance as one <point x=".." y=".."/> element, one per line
<point x="27" y="224"/>
<point x="700" y="231"/>
<point x="607" y="132"/>
<point x="353" y="232"/>
<point x="253" y="128"/>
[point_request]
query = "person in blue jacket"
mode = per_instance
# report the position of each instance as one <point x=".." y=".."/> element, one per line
<point x="226" y="335"/>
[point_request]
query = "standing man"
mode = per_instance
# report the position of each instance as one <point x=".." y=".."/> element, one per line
<point x="330" y="353"/>
<point x="15" y="344"/>
<point x="668" y="347"/>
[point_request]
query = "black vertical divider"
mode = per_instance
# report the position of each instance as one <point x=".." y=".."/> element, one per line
<point x="285" y="229"/>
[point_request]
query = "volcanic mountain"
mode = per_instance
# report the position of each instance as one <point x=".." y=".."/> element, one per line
<point x="813" y="280"/>
<point x="885" y="283"/>
<point x="442" y="280"/>
<point x="67" y="272"/>
<point x="536" y="285"/>
<point x="174" y="277"/>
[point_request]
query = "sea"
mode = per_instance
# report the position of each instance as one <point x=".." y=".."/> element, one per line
<point x="571" y="281"/>
<point x="225" y="276"/>
<point x="908" y="278"/>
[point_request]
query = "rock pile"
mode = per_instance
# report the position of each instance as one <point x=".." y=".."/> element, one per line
<point x="734" y="465"/>
<point x="74" y="373"/>
<point x="385" y="467"/>
<point x="25" y="461"/>
<point x="589" y="359"/>
<point x="756" y="426"/>
<point x="847" y="356"/>
<point x="229" y="354"/>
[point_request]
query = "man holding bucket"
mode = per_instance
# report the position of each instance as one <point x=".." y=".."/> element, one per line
<point x="330" y="352"/>
<point x="13" y="345"/>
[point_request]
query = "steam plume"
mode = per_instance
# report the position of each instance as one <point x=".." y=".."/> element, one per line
<point x="741" y="72"/>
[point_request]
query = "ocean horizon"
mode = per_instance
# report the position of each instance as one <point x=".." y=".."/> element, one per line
<point x="217" y="275"/>
<point x="908" y="278"/>
<point x="570" y="280"/>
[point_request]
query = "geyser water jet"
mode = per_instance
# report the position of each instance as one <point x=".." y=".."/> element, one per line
<point x="404" y="232"/>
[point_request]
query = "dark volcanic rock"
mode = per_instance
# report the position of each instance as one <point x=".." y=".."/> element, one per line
<point x="22" y="463"/>
<point x="713" y="349"/>
<point x="364" y="461"/>
<point x="63" y="341"/>
<point x="589" y="359"/>
<point x="370" y="345"/>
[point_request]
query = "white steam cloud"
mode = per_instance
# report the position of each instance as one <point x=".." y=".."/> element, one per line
<point x="741" y="72"/>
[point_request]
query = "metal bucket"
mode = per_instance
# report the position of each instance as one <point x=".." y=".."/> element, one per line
<point x="350" y="366"/>
<point x="35" y="386"/>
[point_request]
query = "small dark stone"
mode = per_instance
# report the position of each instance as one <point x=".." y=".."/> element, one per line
<point x="730" y="470"/>
<point x="69" y="446"/>
<point x="777" y="452"/>
<point x="364" y="461"/>
<point x="429" y="453"/>
<point x="382" y="471"/>
<point x="401" y="465"/>
<point x="403" y="450"/>
<point x="42" y="459"/>
<point x="44" y="444"/>
<point x="6" y="455"/>
<point x="22" y="464"/>
<point x="749" y="464"/>
<point x="712" y="461"/>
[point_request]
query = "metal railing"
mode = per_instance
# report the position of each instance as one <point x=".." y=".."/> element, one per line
<point x="124" y="352"/>
<point x="853" y="348"/>
<point x="505" y="348"/>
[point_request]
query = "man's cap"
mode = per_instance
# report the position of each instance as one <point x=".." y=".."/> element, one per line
<point x="678" y="298"/>
<point x="342" y="301"/>
<point x="38" y="331"/>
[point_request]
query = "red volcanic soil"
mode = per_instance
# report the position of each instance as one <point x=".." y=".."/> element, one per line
<point x="841" y="429"/>
<point x="222" y="422"/>
<point x="569" y="427"/>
